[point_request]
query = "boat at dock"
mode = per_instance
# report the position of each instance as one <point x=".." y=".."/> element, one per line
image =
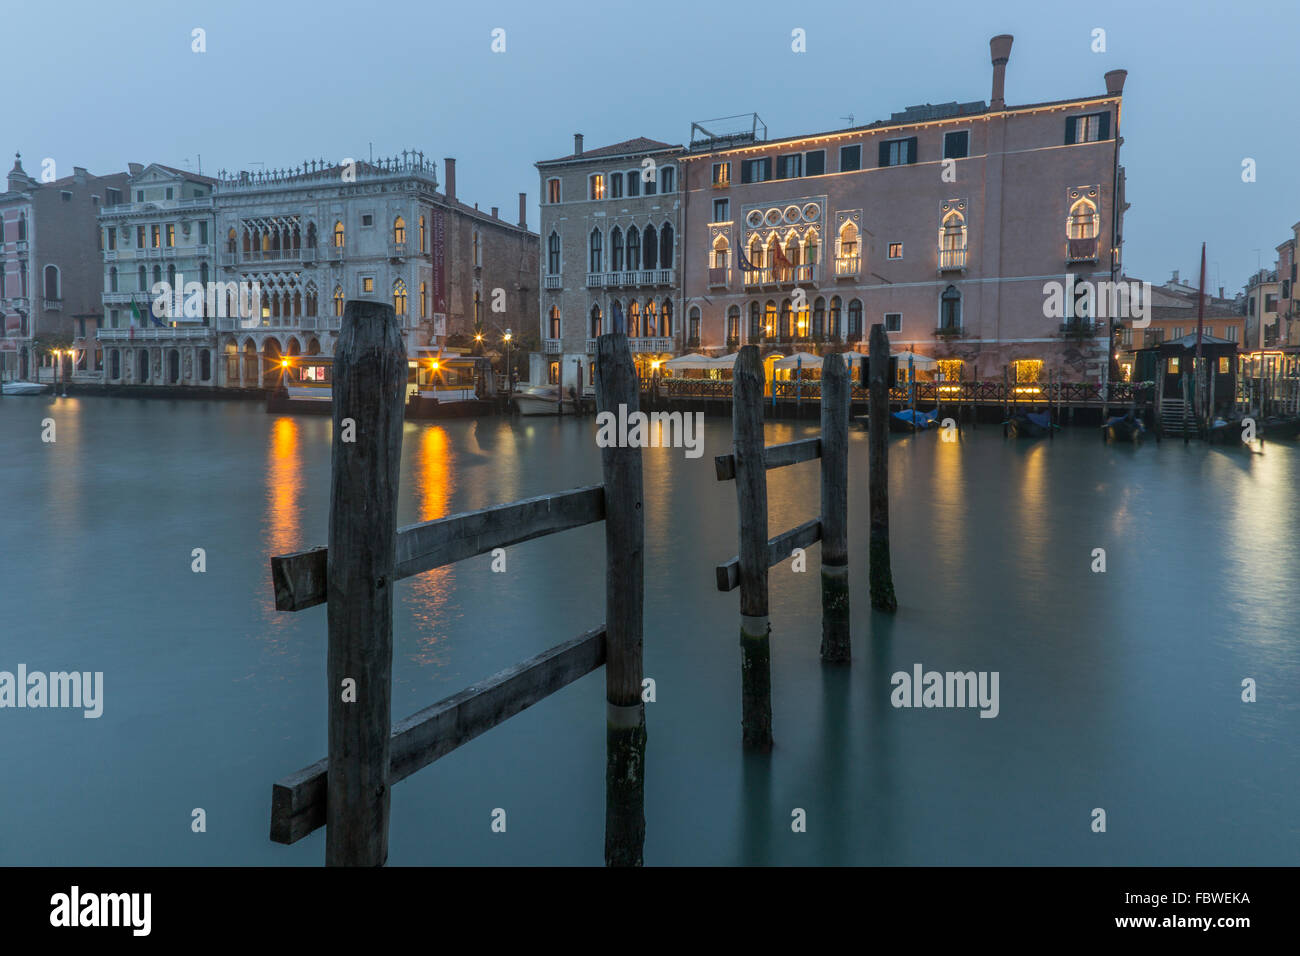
<point x="24" y="388"/>
<point x="910" y="420"/>
<point x="1029" y="424"/>
<point x="1125" y="428"/>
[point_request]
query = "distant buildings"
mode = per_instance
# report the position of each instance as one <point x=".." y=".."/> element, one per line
<point x="50" y="271"/>
<point x="610" y="231"/>
<point x="943" y="223"/>
<point x="1174" y="316"/>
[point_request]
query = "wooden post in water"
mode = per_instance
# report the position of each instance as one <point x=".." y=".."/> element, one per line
<point x="1187" y="400"/>
<point x="625" y="731"/>
<point x="882" y="577"/>
<point x="751" y="495"/>
<point x="1006" y="401"/>
<point x="369" y="380"/>
<point x="835" y="510"/>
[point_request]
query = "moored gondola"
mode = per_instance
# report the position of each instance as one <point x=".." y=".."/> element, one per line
<point x="909" y="420"/>
<point x="1127" y="428"/>
<point x="1029" y="424"/>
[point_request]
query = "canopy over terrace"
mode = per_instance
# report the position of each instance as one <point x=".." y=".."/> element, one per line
<point x="693" y="362"/>
<point x="798" y="359"/>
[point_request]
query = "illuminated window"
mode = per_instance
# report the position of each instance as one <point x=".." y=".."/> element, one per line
<point x="171" y="235"/>
<point x="367" y="284"/>
<point x="423" y="247"/>
<point x="424" y="299"/>
<point x="552" y="190"/>
<point x="769" y="318"/>
<point x="721" y="253"/>
<point x="1223" y="365"/>
<point x="338" y="235"/>
<point x="733" y="324"/>
<point x="1083" y="220"/>
<point x="895" y="250"/>
<point x="553" y="374"/>
<point x="651" y="319"/>
<point x="555" y="322"/>
<point x="951" y="369"/>
<point x="952" y="242"/>
<point x="399" y="297"/>
<point x="399" y="231"/>
<point x="596" y="186"/>
<point x="721" y="174"/>
<point x="155" y="236"/>
<point x="1174" y="365"/>
<point x="338" y="301"/>
<point x="634" y="319"/>
<point x="848" y="241"/>
<point x="1028" y="371"/>
<point x="597" y="322"/>
<point x="1087" y="129"/>
<point x="811" y="246"/>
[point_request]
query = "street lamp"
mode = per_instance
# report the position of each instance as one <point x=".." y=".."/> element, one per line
<point x="509" y="369"/>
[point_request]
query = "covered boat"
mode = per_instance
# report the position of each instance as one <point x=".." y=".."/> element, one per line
<point x="1029" y="424"/>
<point x="24" y="388"/>
<point x="910" y="420"/>
<point x="1126" y="427"/>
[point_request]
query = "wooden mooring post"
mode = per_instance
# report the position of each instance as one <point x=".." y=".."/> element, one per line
<point x="882" y="577"/>
<point x="348" y="791"/>
<point x="835" y="509"/>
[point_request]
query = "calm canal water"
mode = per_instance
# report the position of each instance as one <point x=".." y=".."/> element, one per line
<point x="1119" y="690"/>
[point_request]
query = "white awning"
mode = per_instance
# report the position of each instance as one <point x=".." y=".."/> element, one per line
<point x="807" y="360"/>
<point x="693" y="361"/>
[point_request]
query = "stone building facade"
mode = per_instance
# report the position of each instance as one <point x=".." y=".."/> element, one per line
<point x="164" y="231"/>
<point x="50" y="270"/>
<point x="313" y="237"/>
<point x="611" y="229"/>
<point x="944" y="223"/>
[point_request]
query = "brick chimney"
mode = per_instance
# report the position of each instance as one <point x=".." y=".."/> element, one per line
<point x="495" y="213"/>
<point x="577" y="144"/>
<point x="1115" y="82"/>
<point x="1000" y="51"/>
<point x="449" y="187"/>
<point x="523" y="210"/>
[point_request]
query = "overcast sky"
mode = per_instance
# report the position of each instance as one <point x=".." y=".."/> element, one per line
<point x="99" y="84"/>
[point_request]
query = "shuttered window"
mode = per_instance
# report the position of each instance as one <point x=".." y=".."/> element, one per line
<point x="898" y="152"/>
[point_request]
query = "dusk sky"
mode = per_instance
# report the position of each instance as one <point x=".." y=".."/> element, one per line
<point x="101" y="84"/>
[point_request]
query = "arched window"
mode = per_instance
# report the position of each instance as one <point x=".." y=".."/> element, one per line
<point x="634" y="319"/>
<point x="616" y="250"/>
<point x="423" y="247"/>
<point x="786" y="330"/>
<point x="338" y="301"/>
<point x="312" y="303"/>
<point x="22" y="226"/>
<point x="667" y="181"/>
<point x="597" y="322"/>
<point x="204" y="273"/>
<point x="399" y="231"/>
<point x="666" y="244"/>
<point x="555" y="322"/>
<point x="651" y="319"/>
<point x="833" y="329"/>
<point x="157" y="274"/>
<point x="171" y="275"/>
<point x="232" y="241"/>
<point x="205" y="365"/>
<point x="112" y="279"/>
<point x="594" y="251"/>
<point x="952" y="242"/>
<point x="769" y="318"/>
<point x="773" y="243"/>
<point x="297" y="304"/>
<point x="811" y="246"/>
<point x="651" y="248"/>
<point x="721" y="253"/>
<point x="801" y="321"/>
<point x="553" y="254"/>
<point x="756" y="252"/>
<point x="142" y="279"/>
<point x="633" y="249"/>
<point x="424" y="300"/>
<point x="693" y="324"/>
<point x="855" y="320"/>
<point x="52" y="282"/>
<point x="311" y="235"/>
<point x="792" y="250"/>
<point x="733" y="324"/>
<point x="666" y="318"/>
<point x="1083" y="221"/>
<point x="819" y="318"/>
<point x="950" y="309"/>
<point x="848" y="243"/>
<point x="399" y="297"/>
<point x="338" y="235"/>
<point x="754" y="324"/>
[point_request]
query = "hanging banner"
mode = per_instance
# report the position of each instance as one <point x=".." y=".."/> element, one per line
<point x="439" y="262"/>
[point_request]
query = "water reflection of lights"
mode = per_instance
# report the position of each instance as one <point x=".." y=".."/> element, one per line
<point x="429" y="592"/>
<point x="283" y="504"/>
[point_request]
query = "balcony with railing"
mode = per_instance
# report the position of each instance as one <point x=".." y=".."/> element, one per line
<point x="20" y="246"/>
<point x="53" y="305"/>
<point x="719" y="277"/>
<point x="950" y="330"/>
<point x="552" y="347"/>
<point x="847" y="267"/>
<point x="200" y="334"/>
<point x="952" y="260"/>
<point x="552" y="282"/>
<point x="400" y="250"/>
<point x="1081" y="329"/>
<point x="124" y="298"/>
<point x="1081" y="250"/>
<point x="19" y="303"/>
<point x="657" y="344"/>
<point x="595" y="280"/>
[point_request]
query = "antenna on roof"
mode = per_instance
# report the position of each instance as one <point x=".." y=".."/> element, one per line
<point x="849" y="118"/>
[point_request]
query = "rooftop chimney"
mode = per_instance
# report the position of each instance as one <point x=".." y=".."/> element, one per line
<point x="495" y="210"/>
<point x="135" y="169"/>
<point x="1175" y="278"/>
<point x="1115" y="82"/>
<point x="577" y="144"/>
<point x="523" y="210"/>
<point x="449" y="187"/>
<point x="1000" y="50"/>
<point x="79" y="175"/>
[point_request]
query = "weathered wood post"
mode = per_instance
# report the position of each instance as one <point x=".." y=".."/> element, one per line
<point x="751" y="495"/>
<point x="1006" y="402"/>
<point x="625" y="732"/>
<point x="1187" y="401"/>
<point x="835" y="510"/>
<point x="882" y="577"/>
<point x="369" y="380"/>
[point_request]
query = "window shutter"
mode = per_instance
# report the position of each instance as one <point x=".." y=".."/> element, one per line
<point x="884" y="154"/>
<point x="1104" y="129"/>
<point x="911" y="150"/>
<point x="1070" y="123"/>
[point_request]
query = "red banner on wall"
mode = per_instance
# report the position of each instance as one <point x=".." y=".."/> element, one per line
<point x="439" y="262"/>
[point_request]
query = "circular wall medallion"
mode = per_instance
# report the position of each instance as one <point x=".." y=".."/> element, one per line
<point x="791" y="213"/>
<point x="755" y="218"/>
<point x="812" y="212"/>
<point x="773" y="217"/>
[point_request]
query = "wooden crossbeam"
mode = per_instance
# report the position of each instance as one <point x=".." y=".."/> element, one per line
<point x="299" y="578"/>
<point x="298" y="800"/>
<point x="778" y="549"/>
<point x="774" y="456"/>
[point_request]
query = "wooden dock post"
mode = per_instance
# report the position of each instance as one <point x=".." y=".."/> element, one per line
<point x="751" y="494"/>
<point x="1006" y="402"/>
<point x="882" y="577"/>
<point x="1187" y="401"/>
<point x="835" y="510"/>
<point x="625" y="730"/>
<point x="369" y="380"/>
